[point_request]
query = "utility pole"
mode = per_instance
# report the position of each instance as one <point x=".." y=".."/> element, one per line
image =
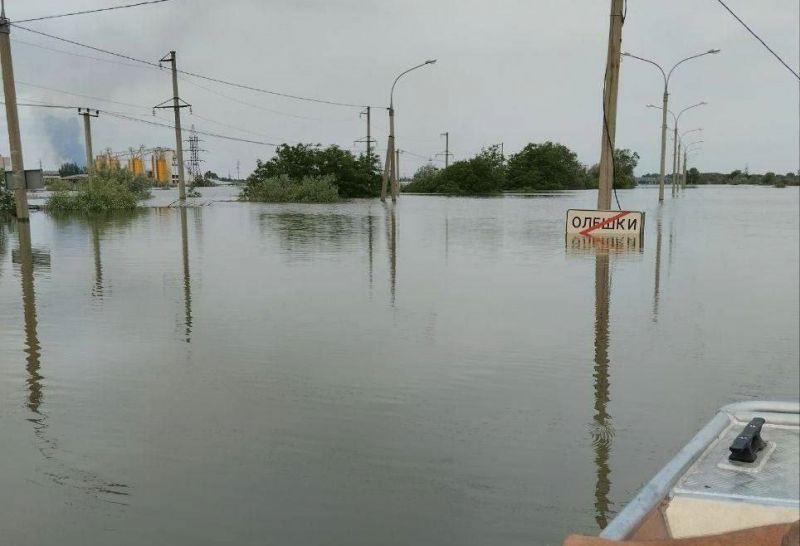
<point x="12" y="117"/>
<point x="676" y="181"/>
<point x="675" y="157"/>
<point x="87" y="115"/>
<point x="368" y="140"/>
<point x="177" y="104"/>
<point x="238" y="175"/>
<point x="388" y="168"/>
<point x="684" y="168"/>
<point x="397" y="168"/>
<point x="611" y="87"/>
<point x="446" y="136"/>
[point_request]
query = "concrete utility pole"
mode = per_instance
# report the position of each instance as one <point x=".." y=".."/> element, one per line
<point x="12" y="118"/>
<point x="176" y="106"/>
<point x="389" y="169"/>
<point x="610" y="106"/>
<point x="684" y="169"/>
<point x="446" y="136"/>
<point x="87" y="115"/>
<point x="675" y="158"/>
<point x="397" y="170"/>
<point x="665" y="101"/>
<point x="368" y="140"/>
<point x="369" y="136"/>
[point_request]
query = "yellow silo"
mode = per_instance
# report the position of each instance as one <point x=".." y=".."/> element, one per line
<point x="136" y="166"/>
<point x="161" y="173"/>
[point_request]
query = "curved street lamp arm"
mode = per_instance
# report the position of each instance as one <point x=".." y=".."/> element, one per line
<point x="651" y="62"/>
<point x="709" y="52"/>
<point x="690" y="131"/>
<point x="701" y="103"/>
<point x="674" y="118"/>
<point x="391" y="95"/>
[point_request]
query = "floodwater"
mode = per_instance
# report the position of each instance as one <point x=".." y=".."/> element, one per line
<point x="446" y="371"/>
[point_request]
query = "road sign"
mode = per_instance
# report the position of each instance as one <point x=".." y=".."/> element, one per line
<point x="600" y="223"/>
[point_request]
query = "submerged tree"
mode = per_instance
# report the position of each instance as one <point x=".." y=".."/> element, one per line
<point x="354" y="176"/>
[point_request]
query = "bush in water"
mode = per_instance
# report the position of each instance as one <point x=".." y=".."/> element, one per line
<point x="282" y="189"/>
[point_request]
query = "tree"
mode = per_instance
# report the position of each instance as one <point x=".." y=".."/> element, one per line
<point x="769" y="179"/>
<point x="476" y="176"/>
<point x="210" y="175"/>
<point x="353" y="176"/>
<point x="548" y="166"/>
<point x="625" y="162"/>
<point x="424" y="180"/>
<point x="70" y="169"/>
<point x="692" y="177"/>
<point x="480" y="175"/>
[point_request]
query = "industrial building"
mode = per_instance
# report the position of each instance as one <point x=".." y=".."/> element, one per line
<point x="161" y="165"/>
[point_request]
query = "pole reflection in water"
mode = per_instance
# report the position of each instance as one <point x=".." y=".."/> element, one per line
<point x="391" y="240"/>
<point x="32" y="347"/>
<point x="369" y="248"/>
<point x="59" y="471"/>
<point x="187" y="280"/>
<point x="657" y="283"/>
<point x="97" y="290"/>
<point x="446" y="239"/>
<point x="602" y="430"/>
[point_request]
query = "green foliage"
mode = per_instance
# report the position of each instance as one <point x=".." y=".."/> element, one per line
<point x="547" y="166"/>
<point x="60" y="185"/>
<point x="692" y="177"/>
<point x="70" y="169"/>
<point x="202" y="182"/>
<point x="739" y="177"/>
<point x="481" y="175"/>
<point x="352" y="176"/>
<point x="424" y="180"/>
<point x="625" y="162"/>
<point x="105" y="190"/>
<point x="210" y="175"/>
<point x="282" y="189"/>
<point x="7" y="204"/>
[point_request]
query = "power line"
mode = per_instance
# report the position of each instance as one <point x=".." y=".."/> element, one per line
<point x="259" y="107"/>
<point x="85" y="12"/>
<point x="193" y="74"/>
<point x="98" y="49"/>
<point x="234" y="127"/>
<point x="795" y="74"/>
<point x="168" y="126"/>
<point x="54" y="90"/>
<point x="185" y="80"/>
<point x="72" y="53"/>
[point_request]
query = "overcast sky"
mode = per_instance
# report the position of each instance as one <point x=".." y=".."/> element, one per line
<point x="511" y="71"/>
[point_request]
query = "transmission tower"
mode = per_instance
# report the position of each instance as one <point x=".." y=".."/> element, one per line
<point x="193" y="164"/>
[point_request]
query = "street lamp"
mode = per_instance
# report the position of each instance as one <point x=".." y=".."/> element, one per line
<point x="667" y="76"/>
<point x="389" y="169"/>
<point x="676" y="153"/>
<point x="680" y="142"/>
<point x="686" y="150"/>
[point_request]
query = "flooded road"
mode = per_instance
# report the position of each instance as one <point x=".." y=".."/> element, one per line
<point x="446" y="371"/>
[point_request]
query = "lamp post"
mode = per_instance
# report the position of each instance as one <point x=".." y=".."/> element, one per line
<point x="675" y="151"/>
<point x="680" y="184"/>
<point x="667" y="76"/>
<point x="389" y="167"/>
<point x="686" y="150"/>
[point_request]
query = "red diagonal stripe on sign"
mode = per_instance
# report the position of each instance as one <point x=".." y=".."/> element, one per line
<point x="613" y="219"/>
